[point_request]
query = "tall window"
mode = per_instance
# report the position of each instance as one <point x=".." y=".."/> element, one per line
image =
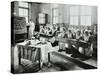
<point x="80" y="15"/>
<point x="55" y="16"/>
<point x="85" y="15"/>
<point x="24" y="10"/>
<point x="74" y="15"/>
<point x="42" y="18"/>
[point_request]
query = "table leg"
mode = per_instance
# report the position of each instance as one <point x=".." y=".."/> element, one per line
<point x="19" y="54"/>
<point x="25" y="53"/>
<point x="40" y="61"/>
<point x="32" y="54"/>
<point x="48" y="57"/>
<point x="22" y="51"/>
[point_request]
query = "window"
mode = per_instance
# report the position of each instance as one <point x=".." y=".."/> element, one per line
<point x="55" y="16"/>
<point x="85" y="15"/>
<point x="80" y="15"/>
<point x="24" y="10"/>
<point x="42" y="18"/>
<point x="73" y="20"/>
<point x="85" y="20"/>
<point x="74" y="15"/>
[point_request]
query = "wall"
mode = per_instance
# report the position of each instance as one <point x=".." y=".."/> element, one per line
<point x="14" y="8"/>
<point x="47" y="8"/>
<point x="64" y="13"/>
<point x="62" y="8"/>
<point x="94" y="15"/>
<point x="35" y="9"/>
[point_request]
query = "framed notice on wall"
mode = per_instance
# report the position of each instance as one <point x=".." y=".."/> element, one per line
<point x="42" y="18"/>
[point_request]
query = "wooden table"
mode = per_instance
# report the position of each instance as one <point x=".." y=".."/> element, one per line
<point x="27" y="52"/>
<point x="73" y="42"/>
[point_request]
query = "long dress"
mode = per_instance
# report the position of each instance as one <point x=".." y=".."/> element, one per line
<point x="31" y="29"/>
<point x="45" y="49"/>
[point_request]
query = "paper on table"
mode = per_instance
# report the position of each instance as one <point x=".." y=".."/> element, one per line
<point x="23" y="43"/>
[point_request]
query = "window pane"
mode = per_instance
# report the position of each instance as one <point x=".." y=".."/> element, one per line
<point x="74" y="10"/>
<point x="55" y="20"/>
<point x="41" y="15"/>
<point x="75" y="20"/>
<point x="88" y="10"/>
<point x="20" y="12"/>
<point x="23" y="4"/>
<point x="85" y="10"/>
<point x="42" y="20"/>
<point x="55" y="16"/>
<point x="71" y="20"/>
<point x="88" y="20"/>
<point x="23" y="12"/>
<point x="82" y="20"/>
<point x="55" y="12"/>
<point x="82" y="10"/>
<point x="85" y="20"/>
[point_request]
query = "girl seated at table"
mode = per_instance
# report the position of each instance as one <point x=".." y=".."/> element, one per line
<point x="88" y="39"/>
<point x="70" y="35"/>
<point x="78" y="36"/>
<point x="82" y="49"/>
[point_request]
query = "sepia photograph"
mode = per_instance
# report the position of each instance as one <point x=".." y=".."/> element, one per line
<point x="52" y="37"/>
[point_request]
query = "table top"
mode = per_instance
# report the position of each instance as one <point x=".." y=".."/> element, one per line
<point x="23" y="43"/>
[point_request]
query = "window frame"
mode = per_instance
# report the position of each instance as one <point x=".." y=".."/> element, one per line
<point x="55" y="18"/>
<point x="86" y="14"/>
<point x="26" y="8"/>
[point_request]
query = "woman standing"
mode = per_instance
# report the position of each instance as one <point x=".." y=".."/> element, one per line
<point x="31" y="29"/>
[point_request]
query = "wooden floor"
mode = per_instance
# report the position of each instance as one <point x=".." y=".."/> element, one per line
<point x="51" y="68"/>
<point x="28" y="67"/>
<point x="89" y="63"/>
